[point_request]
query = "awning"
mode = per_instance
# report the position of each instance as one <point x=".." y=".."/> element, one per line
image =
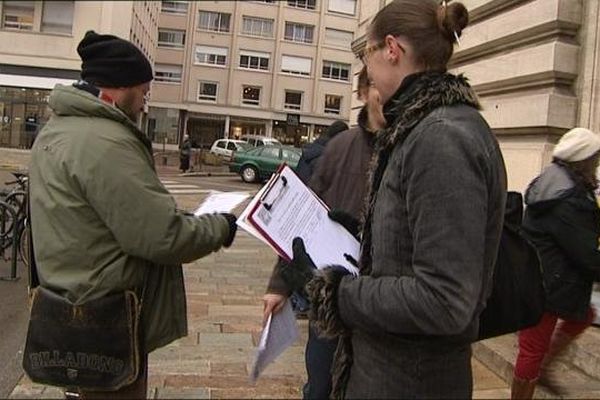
<point x="34" y="82"/>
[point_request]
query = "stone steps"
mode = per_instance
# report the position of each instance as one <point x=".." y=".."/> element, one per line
<point x="580" y="369"/>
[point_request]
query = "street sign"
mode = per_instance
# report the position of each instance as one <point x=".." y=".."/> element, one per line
<point x="293" y="119"/>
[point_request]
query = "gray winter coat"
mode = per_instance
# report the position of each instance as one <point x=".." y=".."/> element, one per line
<point x="430" y="240"/>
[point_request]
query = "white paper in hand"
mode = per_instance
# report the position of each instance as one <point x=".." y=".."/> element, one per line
<point x="221" y="202"/>
<point x="279" y="333"/>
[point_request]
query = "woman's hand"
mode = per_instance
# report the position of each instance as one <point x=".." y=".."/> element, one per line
<point x="272" y="303"/>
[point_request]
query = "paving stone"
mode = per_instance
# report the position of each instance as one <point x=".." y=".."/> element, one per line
<point x="182" y="393"/>
<point x="220" y="368"/>
<point x="228" y="310"/>
<point x="196" y="310"/>
<point x="226" y="341"/>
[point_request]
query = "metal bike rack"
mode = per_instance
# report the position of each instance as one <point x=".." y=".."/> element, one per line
<point x="15" y="245"/>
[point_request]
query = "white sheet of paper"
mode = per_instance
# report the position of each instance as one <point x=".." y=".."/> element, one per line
<point x="279" y="333"/>
<point x="221" y="202"/>
<point x="297" y="212"/>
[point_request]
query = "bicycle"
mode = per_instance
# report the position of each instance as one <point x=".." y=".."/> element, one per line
<point x="15" y="226"/>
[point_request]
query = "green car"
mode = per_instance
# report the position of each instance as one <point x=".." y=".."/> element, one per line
<point x="259" y="163"/>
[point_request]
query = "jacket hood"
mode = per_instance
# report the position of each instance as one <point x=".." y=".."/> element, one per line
<point x="74" y="102"/>
<point x="553" y="184"/>
<point x="71" y="101"/>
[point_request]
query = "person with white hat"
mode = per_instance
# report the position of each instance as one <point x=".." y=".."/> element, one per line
<point x="562" y="219"/>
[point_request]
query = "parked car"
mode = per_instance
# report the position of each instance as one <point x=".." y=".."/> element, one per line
<point x="226" y="147"/>
<point x="259" y="163"/>
<point x="258" y="140"/>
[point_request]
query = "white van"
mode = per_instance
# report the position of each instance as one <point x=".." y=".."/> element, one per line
<point x="257" y="140"/>
<point x="226" y="147"/>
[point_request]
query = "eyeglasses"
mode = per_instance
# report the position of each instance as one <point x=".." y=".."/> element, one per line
<point x="366" y="53"/>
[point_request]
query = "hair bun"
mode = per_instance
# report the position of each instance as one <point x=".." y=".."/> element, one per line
<point x="452" y="18"/>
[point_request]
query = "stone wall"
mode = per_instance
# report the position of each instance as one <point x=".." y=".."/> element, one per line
<point x="534" y="65"/>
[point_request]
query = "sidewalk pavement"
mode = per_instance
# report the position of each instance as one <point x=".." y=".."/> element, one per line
<point x="224" y="296"/>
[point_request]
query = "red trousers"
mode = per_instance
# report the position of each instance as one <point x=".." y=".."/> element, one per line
<point x="534" y="342"/>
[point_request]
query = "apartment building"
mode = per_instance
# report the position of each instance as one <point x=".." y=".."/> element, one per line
<point x="534" y="64"/>
<point x="274" y="68"/>
<point x="38" y="49"/>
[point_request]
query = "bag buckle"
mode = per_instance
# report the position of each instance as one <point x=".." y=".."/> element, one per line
<point x="69" y="394"/>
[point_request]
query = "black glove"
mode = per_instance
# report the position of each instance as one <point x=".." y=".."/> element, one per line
<point x="298" y="272"/>
<point x="231" y="219"/>
<point x="351" y="224"/>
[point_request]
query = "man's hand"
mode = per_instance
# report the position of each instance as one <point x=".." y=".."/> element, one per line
<point x="231" y="220"/>
<point x="272" y="303"/>
<point x="300" y="270"/>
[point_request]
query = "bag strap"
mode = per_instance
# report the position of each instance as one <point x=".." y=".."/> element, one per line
<point x="34" y="280"/>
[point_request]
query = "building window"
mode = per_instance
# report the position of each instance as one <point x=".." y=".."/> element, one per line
<point x="174" y="7"/>
<point x="251" y="95"/>
<point x="254" y="60"/>
<point x="257" y="26"/>
<point x="337" y="71"/>
<point x="343" y="6"/>
<point x="293" y="100"/>
<point x="299" y="32"/>
<point x="296" y="65"/>
<point x="265" y="1"/>
<point x="207" y="91"/>
<point x="306" y="4"/>
<point x="214" y="21"/>
<point x="18" y="15"/>
<point x="171" y="38"/>
<point x="167" y="73"/>
<point x="210" y="55"/>
<point x="57" y="17"/>
<point x="333" y="104"/>
<point x="338" y="38"/>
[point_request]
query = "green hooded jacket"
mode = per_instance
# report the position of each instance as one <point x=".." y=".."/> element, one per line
<point x="102" y="220"/>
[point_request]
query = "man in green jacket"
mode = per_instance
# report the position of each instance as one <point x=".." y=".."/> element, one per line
<point x="102" y="221"/>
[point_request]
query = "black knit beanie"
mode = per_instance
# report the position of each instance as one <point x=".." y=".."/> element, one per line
<point x="109" y="61"/>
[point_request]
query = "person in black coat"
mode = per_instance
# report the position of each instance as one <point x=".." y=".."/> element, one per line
<point x="312" y="151"/>
<point x="185" y="153"/>
<point x="562" y="219"/>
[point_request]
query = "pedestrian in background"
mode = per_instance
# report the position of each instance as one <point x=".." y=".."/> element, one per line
<point x="432" y="228"/>
<point x="340" y="180"/>
<point x="312" y="151"/>
<point x="562" y="219"/>
<point x="184" y="153"/>
<point x="102" y="221"/>
<point x="305" y="168"/>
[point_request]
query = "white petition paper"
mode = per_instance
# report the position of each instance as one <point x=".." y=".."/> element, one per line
<point x="279" y="333"/>
<point x="221" y="202"/>
<point x="290" y="209"/>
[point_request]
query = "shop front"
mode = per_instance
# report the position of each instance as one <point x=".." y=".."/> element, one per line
<point x="23" y="111"/>
<point x="240" y="126"/>
<point x="204" y="129"/>
<point x="291" y="132"/>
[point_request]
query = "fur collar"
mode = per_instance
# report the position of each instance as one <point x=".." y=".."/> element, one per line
<point x="425" y="92"/>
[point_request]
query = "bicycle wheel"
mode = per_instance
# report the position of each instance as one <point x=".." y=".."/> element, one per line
<point x="24" y="243"/>
<point x="17" y="199"/>
<point x="8" y="222"/>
